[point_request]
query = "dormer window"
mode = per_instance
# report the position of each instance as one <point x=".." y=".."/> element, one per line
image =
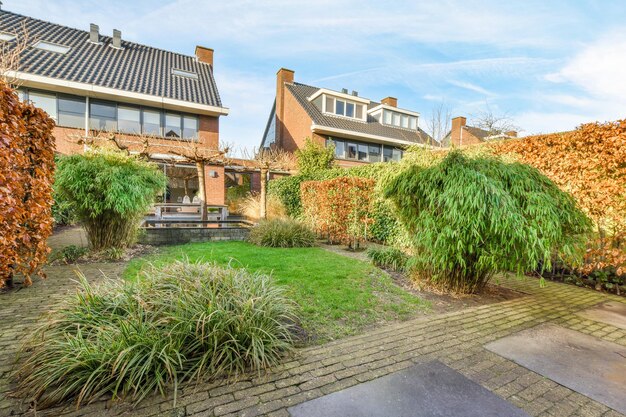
<point x="342" y="107"/>
<point x="397" y="119"/>
<point x="52" y="47"/>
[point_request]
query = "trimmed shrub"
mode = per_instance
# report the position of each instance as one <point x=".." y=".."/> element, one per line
<point x="26" y="172"/>
<point x="279" y="233"/>
<point x="388" y="258"/>
<point x="179" y="322"/>
<point x="339" y="209"/>
<point x="111" y="192"/>
<point x="470" y="218"/>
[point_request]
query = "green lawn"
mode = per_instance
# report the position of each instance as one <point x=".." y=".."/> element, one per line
<point x="338" y="296"/>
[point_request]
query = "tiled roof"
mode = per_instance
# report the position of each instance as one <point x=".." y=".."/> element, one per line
<point x="135" y="68"/>
<point x="371" y="127"/>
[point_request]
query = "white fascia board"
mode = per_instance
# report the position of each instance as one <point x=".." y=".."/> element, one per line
<point x="349" y="134"/>
<point x="163" y="156"/>
<point x="396" y="109"/>
<point x="338" y="94"/>
<point x="91" y="90"/>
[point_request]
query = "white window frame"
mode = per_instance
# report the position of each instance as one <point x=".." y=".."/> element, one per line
<point x="51" y="47"/>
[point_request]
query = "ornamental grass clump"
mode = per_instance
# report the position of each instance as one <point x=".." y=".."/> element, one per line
<point x="179" y="322"/>
<point x="388" y="258"/>
<point x="282" y="233"/>
<point x="469" y="218"/>
<point x="110" y="192"/>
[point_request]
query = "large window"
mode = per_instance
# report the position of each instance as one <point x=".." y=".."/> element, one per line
<point x="46" y="102"/>
<point x="172" y="125"/>
<point x="190" y="127"/>
<point x="102" y="115"/>
<point x="71" y="111"/>
<point x="128" y="119"/>
<point x="362" y="151"/>
<point x="152" y="122"/>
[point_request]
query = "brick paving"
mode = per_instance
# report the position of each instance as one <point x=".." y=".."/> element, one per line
<point x="455" y="338"/>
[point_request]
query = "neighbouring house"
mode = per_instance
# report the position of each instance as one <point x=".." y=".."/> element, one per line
<point x="461" y="135"/>
<point x="361" y="130"/>
<point x="90" y="83"/>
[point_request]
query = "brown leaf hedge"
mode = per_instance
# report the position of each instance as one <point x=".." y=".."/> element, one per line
<point x="590" y="163"/>
<point x="26" y="176"/>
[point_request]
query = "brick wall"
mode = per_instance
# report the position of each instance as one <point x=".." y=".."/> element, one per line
<point x="295" y="124"/>
<point x="460" y="136"/>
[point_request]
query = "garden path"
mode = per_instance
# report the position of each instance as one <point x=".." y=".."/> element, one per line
<point x="456" y="339"/>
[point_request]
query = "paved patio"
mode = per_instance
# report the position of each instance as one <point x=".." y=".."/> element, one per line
<point x="456" y="339"/>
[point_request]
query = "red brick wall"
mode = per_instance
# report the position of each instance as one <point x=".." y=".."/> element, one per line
<point x="215" y="186"/>
<point x="295" y="125"/>
<point x="461" y="139"/>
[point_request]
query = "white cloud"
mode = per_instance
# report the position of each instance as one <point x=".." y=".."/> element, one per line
<point x="471" y="87"/>
<point x="598" y="68"/>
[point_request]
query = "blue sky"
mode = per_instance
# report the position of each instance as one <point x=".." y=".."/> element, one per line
<point x="550" y="65"/>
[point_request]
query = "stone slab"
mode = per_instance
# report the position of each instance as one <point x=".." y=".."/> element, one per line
<point x="610" y="312"/>
<point x="593" y="367"/>
<point x="430" y="389"/>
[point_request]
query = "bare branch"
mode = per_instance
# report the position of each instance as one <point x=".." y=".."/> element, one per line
<point x="438" y="125"/>
<point x="11" y="54"/>
<point x="496" y="124"/>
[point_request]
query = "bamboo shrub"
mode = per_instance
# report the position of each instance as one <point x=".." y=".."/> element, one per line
<point x="469" y="218"/>
<point x="110" y="191"/>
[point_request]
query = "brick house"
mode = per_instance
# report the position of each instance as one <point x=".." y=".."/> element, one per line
<point x="461" y="134"/>
<point x="90" y="83"/>
<point x="361" y="130"/>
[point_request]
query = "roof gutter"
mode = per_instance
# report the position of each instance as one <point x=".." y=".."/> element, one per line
<point x="95" y="91"/>
<point x="349" y="134"/>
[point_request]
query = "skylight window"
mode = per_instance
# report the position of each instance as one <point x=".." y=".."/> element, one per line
<point x="51" y="47"/>
<point x="186" y="74"/>
<point x="5" y="37"/>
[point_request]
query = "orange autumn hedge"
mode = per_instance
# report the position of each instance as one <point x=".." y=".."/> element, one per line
<point x="590" y="163"/>
<point x="26" y="175"/>
<point x="339" y="209"/>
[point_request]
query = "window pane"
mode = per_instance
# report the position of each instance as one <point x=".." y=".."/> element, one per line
<point x="405" y="121"/>
<point x="339" y="147"/>
<point x="397" y="154"/>
<point x="350" y="109"/>
<point x="72" y="112"/>
<point x="339" y="107"/>
<point x="128" y="120"/>
<point x="413" y="123"/>
<point x="387" y="117"/>
<point x="351" y="151"/>
<point x="362" y="152"/>
<point x="172" y="125"/>
<point x="396" y="119"/>
<point x="359" y="111"/>
<point x="330" y="104"/>
<point x="190" y="127"/>
<point x="374" y="151"/>
<point x="46" y="102"/>
<point x="102" y="116"/>
<point x="387" y="153"/>
<point x="152" y="122"/>
<point x="21" y="95"/>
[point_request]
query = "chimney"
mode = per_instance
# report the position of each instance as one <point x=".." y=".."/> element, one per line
<point x="355" y="93"/>
<point x="283" y="76"/>
<point x="390" y="101"/>
<point x="511" y="133"/>
<point x="117" y="39"/>
<point x="456" y="133"/>
<point x="94" y="33"/>
<point x="204" y="55"/>
<point x="344" y="90"/>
